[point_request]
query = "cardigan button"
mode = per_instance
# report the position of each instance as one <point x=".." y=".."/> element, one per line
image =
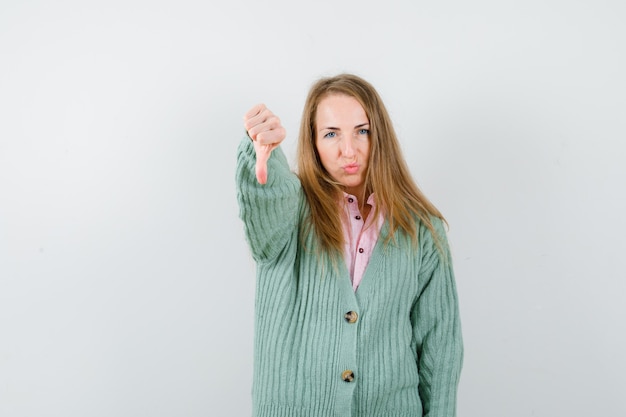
<point x="361" y="250"/>
<point x="351" y="317"/>
<point x="347" y="375"/>
<point x="350" y="200"/>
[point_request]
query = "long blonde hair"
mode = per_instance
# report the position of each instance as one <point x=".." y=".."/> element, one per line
<point x="388" y="176"/>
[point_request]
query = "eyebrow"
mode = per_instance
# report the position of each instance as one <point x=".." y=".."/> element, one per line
<point x="336" y="128"/>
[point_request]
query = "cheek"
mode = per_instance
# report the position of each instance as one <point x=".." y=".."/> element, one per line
<point x="324" y="154"/>
<point x="365" y="151"/>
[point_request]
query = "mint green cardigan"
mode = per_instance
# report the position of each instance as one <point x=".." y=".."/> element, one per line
<point x="393" y="348"/>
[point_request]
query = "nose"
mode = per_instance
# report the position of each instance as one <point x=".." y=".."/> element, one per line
<point x="347" y="147"/>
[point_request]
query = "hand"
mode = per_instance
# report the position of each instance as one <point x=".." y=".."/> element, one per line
<point x="267" y="133"/>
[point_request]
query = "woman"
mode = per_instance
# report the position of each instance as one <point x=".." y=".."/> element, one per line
<point x="356" y="305"/>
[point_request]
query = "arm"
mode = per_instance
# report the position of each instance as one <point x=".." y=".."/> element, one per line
<point x="268" y="203"/>
<point x="437" y="328"/>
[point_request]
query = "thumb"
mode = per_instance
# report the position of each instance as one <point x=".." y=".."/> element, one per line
<point x="263" y="153"/>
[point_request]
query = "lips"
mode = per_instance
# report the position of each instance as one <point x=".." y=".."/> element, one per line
<point x="351" y="168"/>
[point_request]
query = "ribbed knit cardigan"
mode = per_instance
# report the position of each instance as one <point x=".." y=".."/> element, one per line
<point x="399" y="355"/>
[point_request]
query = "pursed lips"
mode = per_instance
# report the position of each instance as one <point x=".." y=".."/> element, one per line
<point x="351" y="168"/>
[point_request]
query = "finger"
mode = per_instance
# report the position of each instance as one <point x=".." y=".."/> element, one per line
<point x="262" y="156"/>
<point x="273" y="136"/>
<point x="265" y="119"/>
<point x="261" y="171"/>
<point x="256" y="109"/>
<point x="259" y="114"/>
<point x="271" y="129"/>
<point x="251" y="119"/>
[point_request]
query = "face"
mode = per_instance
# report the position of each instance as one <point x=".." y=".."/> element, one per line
<point x="342" y="141"/>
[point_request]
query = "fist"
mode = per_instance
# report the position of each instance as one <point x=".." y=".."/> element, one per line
<point x="266" y="132"/>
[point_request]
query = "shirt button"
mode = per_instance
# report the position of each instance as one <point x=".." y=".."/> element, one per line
<point x="351" y="316"/>
<point x="358" y="217"/>
<point x="350" y="200"/>
<point x="361" y="250"/>
<point x="347" y="375"/>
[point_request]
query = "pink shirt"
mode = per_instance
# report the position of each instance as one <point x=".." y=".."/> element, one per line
<point x="360" y="238"/>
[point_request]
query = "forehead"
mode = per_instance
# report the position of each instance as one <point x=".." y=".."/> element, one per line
<point x="340" y="108"/>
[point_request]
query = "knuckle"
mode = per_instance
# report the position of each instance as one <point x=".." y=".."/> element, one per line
<point x="274" y="121"/>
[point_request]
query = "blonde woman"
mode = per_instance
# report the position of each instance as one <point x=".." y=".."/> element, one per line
<point x="356" y="309"/>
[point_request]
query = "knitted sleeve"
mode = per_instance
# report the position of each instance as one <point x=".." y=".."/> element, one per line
<point x="269" y="211"/>
<point x="437" y="327"/>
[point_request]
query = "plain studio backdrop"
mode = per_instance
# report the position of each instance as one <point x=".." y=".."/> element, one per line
<point x="126" y="285"/>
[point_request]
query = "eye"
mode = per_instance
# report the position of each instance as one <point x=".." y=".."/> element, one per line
<point x="330" y="135"/>
<point x="364" y="131"/>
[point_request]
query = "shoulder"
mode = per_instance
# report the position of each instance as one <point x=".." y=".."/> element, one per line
<point x="433" y="229"/>
<point x="433" y="240"/>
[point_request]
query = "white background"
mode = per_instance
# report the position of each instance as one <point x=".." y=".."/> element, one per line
<point x="126" y="286"/>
